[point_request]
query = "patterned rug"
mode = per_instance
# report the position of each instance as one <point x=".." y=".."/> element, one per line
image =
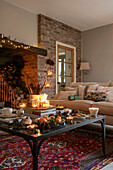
<point x="76" y="150"/>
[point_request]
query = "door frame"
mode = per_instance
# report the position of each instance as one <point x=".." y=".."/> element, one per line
<point x="74" y="60"/>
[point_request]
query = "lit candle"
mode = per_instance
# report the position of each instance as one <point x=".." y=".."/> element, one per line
<point x="32" y="126"/>
<point x="34" y="105"/>
<point x="46" y="105"/>
<point x="49" y="73"/>
<point x="23" y="105"/>
<point x="3" y="41"/>
<point x="69" y="118"/>
<point x="47" y="84"/>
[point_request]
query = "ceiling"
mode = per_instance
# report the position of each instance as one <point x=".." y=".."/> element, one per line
<point x="80" y="14"/>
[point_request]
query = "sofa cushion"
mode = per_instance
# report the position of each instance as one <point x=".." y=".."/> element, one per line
<point x="104" y="107"/>
<point x="93" y="87"/>
<point x="111" y="83"/>
<point x="82" y="91"/>
<point x="96" y="96"/>
<point x="63" y="95"/>
<point x="110" y="94"/>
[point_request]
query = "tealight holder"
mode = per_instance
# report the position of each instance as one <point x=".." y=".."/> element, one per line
<point x="93" y="111"/>
<point x="32" y="128"/>
<point x="34" y="103"/>
<point x="69" y="120"/>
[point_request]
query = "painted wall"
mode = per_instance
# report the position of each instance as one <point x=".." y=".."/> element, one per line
<point x="97" y="48"/>
<point x="18" y="23"/>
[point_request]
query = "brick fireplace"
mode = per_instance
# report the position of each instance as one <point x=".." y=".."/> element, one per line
<point x="26" y="64"/>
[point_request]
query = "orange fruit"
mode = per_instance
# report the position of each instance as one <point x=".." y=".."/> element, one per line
<point x="58" y="120"/>
<point x="46" y="117"/>
<point x="59" y="117"/>
<point x="41" y="120"/>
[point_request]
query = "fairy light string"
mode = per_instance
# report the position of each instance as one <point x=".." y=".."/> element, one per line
<point x="5" y="41"/>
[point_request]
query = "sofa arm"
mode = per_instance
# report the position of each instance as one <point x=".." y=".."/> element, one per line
<point x="56" y="96"/>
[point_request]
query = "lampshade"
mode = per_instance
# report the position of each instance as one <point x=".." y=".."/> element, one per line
<point x="84" y="66"/>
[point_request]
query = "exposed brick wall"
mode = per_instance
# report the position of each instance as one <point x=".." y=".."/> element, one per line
<point x="50" y="31"/>
<point x="30" y="69"/>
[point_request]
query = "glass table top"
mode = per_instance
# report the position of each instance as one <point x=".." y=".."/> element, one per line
<point x="45" y="129"/>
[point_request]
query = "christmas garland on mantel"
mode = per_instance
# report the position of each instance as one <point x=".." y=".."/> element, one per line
<point x="5" y="42"/>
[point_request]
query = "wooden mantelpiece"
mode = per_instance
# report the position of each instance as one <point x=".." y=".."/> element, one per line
<point x="6" y="43"/>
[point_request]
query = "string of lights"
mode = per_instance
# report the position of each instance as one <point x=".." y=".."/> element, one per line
<point x="6" y="42"/>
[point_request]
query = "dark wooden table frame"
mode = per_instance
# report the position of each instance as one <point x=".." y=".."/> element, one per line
<point x="37" y="141"/>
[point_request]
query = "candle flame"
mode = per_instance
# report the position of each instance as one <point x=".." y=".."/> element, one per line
<point x="23" y="105"/>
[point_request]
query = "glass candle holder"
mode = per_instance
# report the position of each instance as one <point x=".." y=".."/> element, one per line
<point x="69" y="119"/>
<point x="93" y="111"/>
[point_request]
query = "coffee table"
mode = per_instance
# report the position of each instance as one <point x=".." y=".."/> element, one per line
<point x="35" y="140"/>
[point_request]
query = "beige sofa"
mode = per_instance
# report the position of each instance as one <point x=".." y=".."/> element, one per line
<point x="105" y="107"/>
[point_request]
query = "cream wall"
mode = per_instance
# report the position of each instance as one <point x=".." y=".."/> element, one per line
<point x="18" y="23"/>
<point x="97" y="48"/>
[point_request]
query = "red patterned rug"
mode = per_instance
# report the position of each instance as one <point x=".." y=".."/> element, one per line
<point x="76" y="150"/>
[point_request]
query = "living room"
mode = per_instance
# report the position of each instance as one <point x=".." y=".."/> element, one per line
<point x="40" y="29"/>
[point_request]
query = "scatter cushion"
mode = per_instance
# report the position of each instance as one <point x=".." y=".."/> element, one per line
<point x="96" y="96"/>
<point x="82" y="91"/>
<point x="110" y="94"/>
<point x="93" y="87"/>
<point x="63" y="95"/>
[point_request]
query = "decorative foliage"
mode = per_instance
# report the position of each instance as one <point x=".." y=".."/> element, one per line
<point x="37" y="89"/>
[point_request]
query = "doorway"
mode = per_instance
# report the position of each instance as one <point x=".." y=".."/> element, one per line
<point x="65" y="66"/>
